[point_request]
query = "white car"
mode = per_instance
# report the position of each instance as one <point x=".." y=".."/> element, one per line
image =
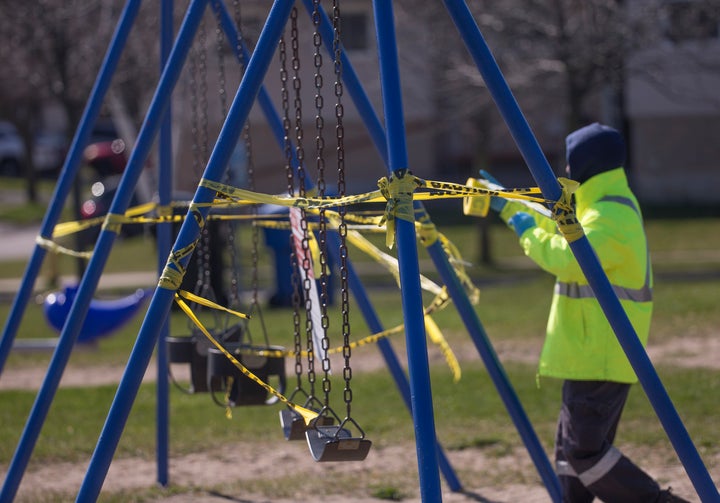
<point x="12" y="150"/>
<point x="49" y="152"/>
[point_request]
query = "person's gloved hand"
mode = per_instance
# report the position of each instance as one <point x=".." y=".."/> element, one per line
<point x="521" y="221"/>
<point x="496" y="203"/>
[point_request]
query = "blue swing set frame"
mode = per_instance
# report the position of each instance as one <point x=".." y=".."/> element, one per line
<point x="390" y="142"/>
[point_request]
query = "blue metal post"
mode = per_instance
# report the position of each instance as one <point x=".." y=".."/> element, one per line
<point x="425" y="438"/>
<point x="189" y="232"/>
<point x="460" y="299"/>
<point x="388" y="353"/>
<point x="492" y="363"/>
<point x="91" y="278"/>
<point x="585" y="255"/>
<point x="62" y="189"/>
<point x="356" y="286"/>
<point x="68" y="173"/>
<point x="164" y="243"/>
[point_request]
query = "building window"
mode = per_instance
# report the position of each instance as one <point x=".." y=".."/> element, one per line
<point x="691" y="20"/>
<point x="354" y="31"/>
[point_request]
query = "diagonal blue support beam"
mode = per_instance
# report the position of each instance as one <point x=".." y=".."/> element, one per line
<point x="68" y="173"/>
<point x="492" y="363"/>
<point x="425" y="438"/>
<point x="91" y="278"/>
<point x="43" y="400"/>
<point x="585" y="255"/>
<point x="182" y="251"/>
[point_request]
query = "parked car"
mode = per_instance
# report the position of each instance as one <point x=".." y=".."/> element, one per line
<point x="12" y="150"/>
<point x="106" y="157"/>
<point x="107" y="160"/>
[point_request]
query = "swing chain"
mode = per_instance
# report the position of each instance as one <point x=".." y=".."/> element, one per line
<point x="322" y="223"/>
<point x="287" y="148"/>
<point x="285" y="104"/>
<point x="296" y="83"/>
<point x="340" y="135"/>
<point x="319" y="120"/>
<point x="300" y="154"/>
<point x="199" y="125"/>
<point x="234" y="298"/>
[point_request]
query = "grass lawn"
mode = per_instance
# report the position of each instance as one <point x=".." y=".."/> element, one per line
<point x="513" y="308"/>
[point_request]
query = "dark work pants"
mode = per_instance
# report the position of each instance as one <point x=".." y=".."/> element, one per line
<point x="588" y="465"/>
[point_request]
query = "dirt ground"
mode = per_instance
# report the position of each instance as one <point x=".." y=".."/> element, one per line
<point x="215" y="477"/>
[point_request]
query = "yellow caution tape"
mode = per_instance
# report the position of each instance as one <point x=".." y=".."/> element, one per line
<point x="477" y="206"/>
<point x="287" y="201"/>
<point x="398" y="191"/>
<point x="563" y="212"/>
<point x="437" y="338"/>
<point x="387" y="261"/>
<point x="56" y="248"/>
<point x="212" y="305"/>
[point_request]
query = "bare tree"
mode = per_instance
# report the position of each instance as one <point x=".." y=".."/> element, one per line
<point x="55" y="49"/>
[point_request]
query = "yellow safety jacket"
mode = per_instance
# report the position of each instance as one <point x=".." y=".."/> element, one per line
<point x="580" y="344"/>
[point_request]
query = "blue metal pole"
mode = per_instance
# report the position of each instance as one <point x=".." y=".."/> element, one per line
<point x="388" y="353"/>
<point x="189" y="232"/>
<point x="68" y="173"/>
<point x="492" y="363"/>
<point x="91" y="278"/>
<point x="585" y="255"/>
<point x="164" y="244"/>
<point x="475" y="329"/>
<point x="425" y="438"/>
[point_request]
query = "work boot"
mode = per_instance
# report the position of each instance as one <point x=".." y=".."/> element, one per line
<point x="666" y="496"/>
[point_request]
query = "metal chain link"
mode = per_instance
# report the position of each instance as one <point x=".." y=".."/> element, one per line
<point x="295" y="278"/>
<point x="300" y="155"/>
<point x="342" y="229"/>
<point x="199" y="124"/>
<point x="321" y="185"/>
<point x="234" y="297"/>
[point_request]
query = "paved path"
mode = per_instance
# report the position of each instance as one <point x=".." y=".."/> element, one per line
<point x="18" y="243"/>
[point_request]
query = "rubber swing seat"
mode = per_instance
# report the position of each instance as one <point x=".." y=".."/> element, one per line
<point x="293" y="425"/>
<point x="103" y="317"/>
<point x="245" y="391"/>
<point x="334" y="443"/>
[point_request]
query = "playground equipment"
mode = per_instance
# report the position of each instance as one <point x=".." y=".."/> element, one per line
<point x="391" y="144"/>
<point x="210" y="369"/>
<point x="104" y="316"/>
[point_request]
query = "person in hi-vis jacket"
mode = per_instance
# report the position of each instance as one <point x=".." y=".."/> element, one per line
<point x="580" y="347"/>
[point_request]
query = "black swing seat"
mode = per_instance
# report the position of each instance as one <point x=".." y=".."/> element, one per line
<point x="193" y="350"/>
<point x="335" y="443"/>
<point x="293" y="425"/>
<point x="245" y="391"/>
<point x="184" y="349"/>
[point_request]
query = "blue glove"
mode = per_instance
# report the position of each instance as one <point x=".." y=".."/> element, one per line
<point x="521" y="221"/>
<point x="496" y="203"/>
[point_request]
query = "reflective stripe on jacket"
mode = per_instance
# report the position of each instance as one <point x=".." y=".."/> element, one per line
<point x="580" y="344"/>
